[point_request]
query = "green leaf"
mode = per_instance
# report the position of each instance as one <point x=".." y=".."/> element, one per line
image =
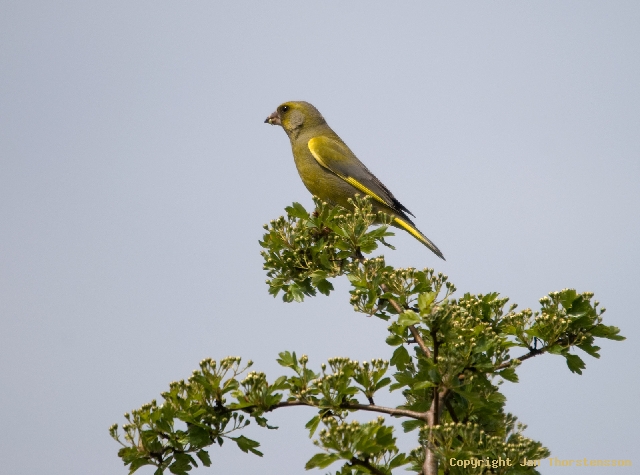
<point x="533" y="331"/>
<point x="262" y="422"/>
<point x="575" y="363"/>
<point x="384" y="437"/>
<point x="556" y="349"/>
<point x="247" y="445"/>
<point x="296" y="293"/>
<point x="579" y="307"/>
<point x="279" y="384"/>
<point x="567" y="297"/>
<point x="604" y="331"/>
<point x="400" y="358"/>
<point x="409" y="317"/>
<point x="324" y="286"/>
<point x="590" y="349"/>
<point x="321" y="461"/>
<point x="423" y="385"/>
<point x="296" y="210"/>
<point x="312" y="425"/>
<point x="509" y="374"/>
<point x="399" y="460"/>
<point x="137" y="463"/>
<point x="411" y="424"/>
<point x="425" y="300"/>
<point x="198" y="436"/>
<point x="203" y="455"/>
<point x="182" y="464"/>
<point x="287" y="359"/>
<point x="394" y="340"/>
<point x="382" y="383"/>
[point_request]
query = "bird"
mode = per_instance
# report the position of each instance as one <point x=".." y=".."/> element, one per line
<point x="332" y="172"/>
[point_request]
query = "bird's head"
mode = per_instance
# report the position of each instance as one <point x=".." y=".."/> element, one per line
<point x="294" y="116"/>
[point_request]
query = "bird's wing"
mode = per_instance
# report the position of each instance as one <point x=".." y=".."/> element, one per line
<point x="336" y="157"/>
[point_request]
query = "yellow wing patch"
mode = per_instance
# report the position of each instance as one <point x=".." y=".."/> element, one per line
<point x="363" y="188"/>
<point x="313" y="148"/>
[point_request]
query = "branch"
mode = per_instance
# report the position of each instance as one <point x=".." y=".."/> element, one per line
<point x="430" y="465"/>
<point x="419" y="340"/>
<point x="286" y="404"/>
<point x="532" y="352"/>
<point x="450" y="410"/>
<point x="422" y="416"/>
<point x="526" y="356"/>
<point x="358" y="407"/>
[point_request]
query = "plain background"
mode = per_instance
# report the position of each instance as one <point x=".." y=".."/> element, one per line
<point x="136" y="173"/>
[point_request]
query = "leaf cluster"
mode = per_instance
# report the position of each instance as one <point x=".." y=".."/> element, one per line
<point x="449" y="357"/>
<point x="303" y="250"/>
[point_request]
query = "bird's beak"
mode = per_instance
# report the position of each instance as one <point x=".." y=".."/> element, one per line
<point x="273" y="119"/>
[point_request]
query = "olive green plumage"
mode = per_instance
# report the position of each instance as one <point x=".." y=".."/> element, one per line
<point x="331" y="171"/>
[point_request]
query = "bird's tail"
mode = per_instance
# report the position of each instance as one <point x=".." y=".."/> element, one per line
<point x="411" y="229"/>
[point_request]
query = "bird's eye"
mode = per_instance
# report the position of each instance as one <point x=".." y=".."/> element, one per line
<point x="285" y="108"/>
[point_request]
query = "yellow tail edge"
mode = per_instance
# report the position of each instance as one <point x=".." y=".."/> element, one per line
<point x="419" y="236"/>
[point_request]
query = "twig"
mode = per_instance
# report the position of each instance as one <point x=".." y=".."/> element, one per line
<point x="422" y="416"/>
<point x="450" y="410"/>
<point x="506" y="364"/>
<point x="361" y="407"/>
<point x="532" y="352"/>
<point x="430" y="465"/>
<point x="420" y="341"/>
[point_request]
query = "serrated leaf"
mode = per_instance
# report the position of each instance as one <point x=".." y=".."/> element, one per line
<point x="247" y="445"/>
<point x="324" y="286"/>
<point x="575" y="363"/>
<point x="425" y="300"/>
<point x="382" y="383"/>
<point x="137" y="463"/>
<point x="312" y="425"/>
<point x="262" y="422"/>
<point x="556" y="349"/>
<point x="579" y="307"/>
<point x="398" y="461"/>
<point x="400" y="358"/>
<point x="182" y="463"/>
<point x="286" y="359"/>
<point x="321" y="461"/>
<point x="204" y="457"/>
<point x="609" y="332"/>
<point x="295" y="293"/>
<point x="296" y="210"/>
<point x="411" y="424"/>
<point x="394" y="340"/>
<point x="423" y="385"/>
<point x="509" y="374"/>
<point x="534" y="331"/>
<point x="409" y="317"/>
<point x="198" y="436"/>
<point x="567" y="297"/>
<point x="590" y="349"/>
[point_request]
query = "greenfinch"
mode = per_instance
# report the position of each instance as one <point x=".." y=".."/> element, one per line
<point x="331" y="171"/>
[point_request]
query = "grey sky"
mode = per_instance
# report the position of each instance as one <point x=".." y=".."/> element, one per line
<point x="136" y="173"/>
